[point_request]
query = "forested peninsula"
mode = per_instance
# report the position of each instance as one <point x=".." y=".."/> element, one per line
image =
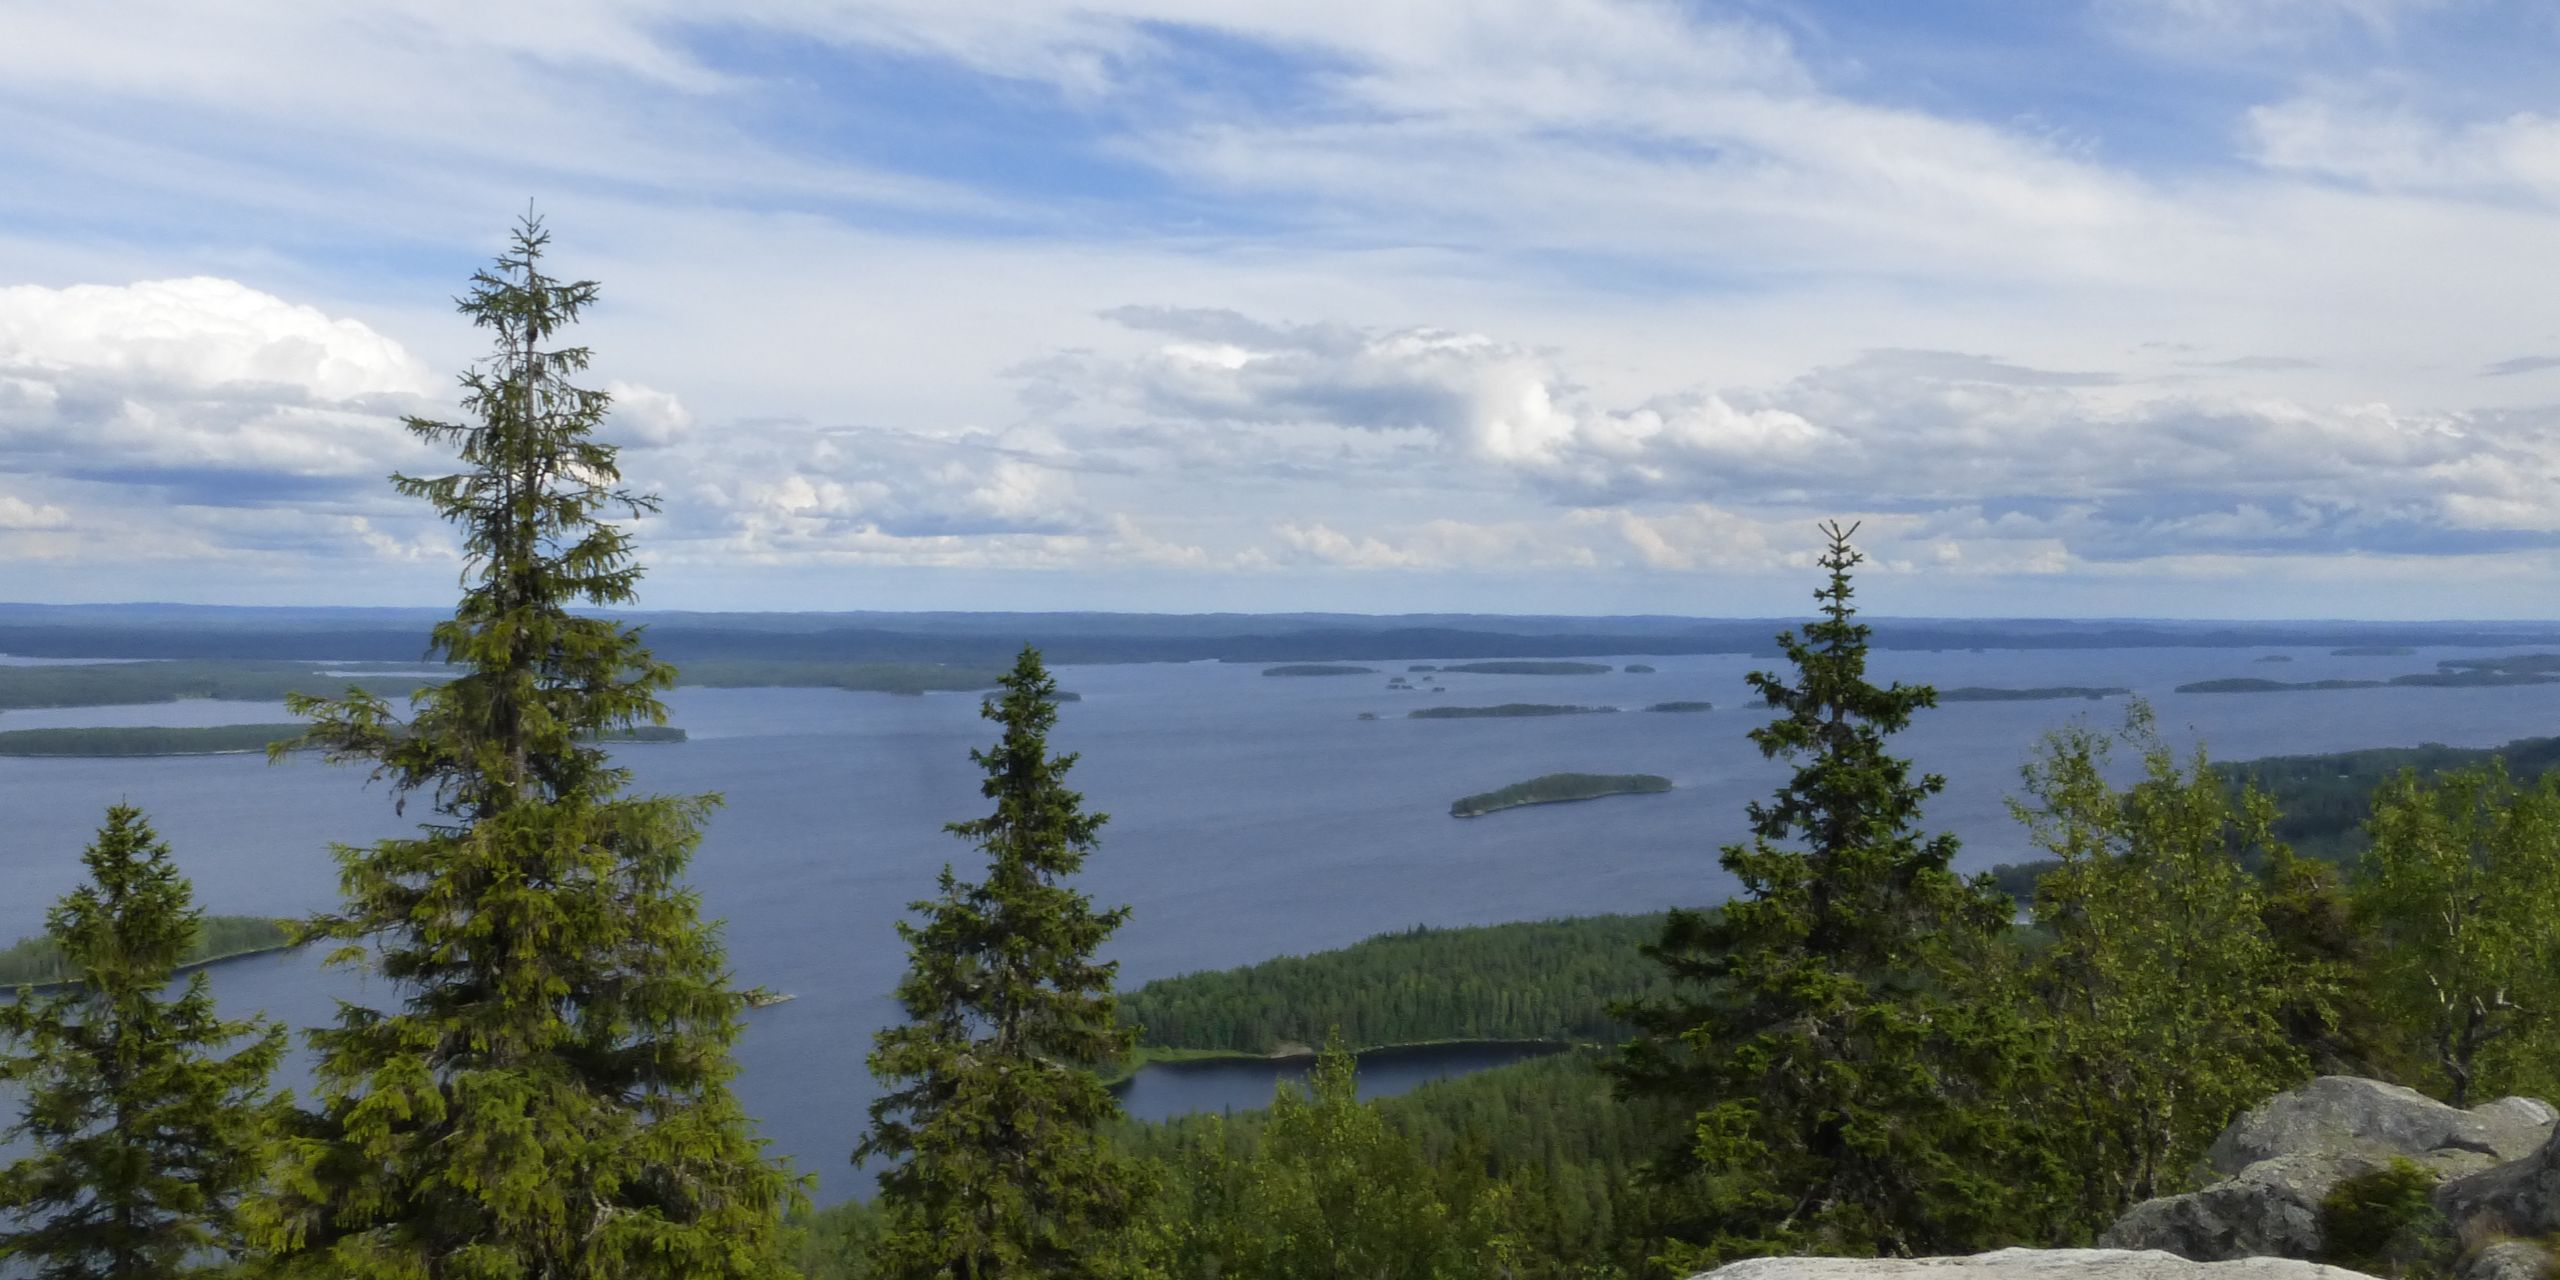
<point x="1506" y="710"/>
<point x="39" y="961"/>
<point x="1978" y="693"/>
<point x="1557" y="788"/>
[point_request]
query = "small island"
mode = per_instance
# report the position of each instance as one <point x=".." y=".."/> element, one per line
<point x="1504" y="711"/>
<point x="1977" y="693"/>
<point x="1520" y="667"/>
<point x="38" y="962"/>
<point x="1678" y="707"/>
<point x="2245" y="684"/>
<point x="2373" y="651"/>
<point x="1318" y="669"/>
<point x="1637" y="669"/>
<point x="1558" y="788"/>
<point x="2274" y="657"/>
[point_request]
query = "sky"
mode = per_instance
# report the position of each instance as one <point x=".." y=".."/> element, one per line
<point x="2080" y="308"/>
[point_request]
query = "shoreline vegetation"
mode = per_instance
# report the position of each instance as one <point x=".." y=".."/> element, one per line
<point x="1676" y="708"/>
<point x="1978" y="693"/>
<point x="1506" y="710"/>
<point x="1318" y="669"/>
<point x="1558" y="788"/>
<point x="135" y="742"/>
<point x="37" y="962"/>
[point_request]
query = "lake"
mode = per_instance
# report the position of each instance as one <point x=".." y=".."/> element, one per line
<point x="1252" y="816"/>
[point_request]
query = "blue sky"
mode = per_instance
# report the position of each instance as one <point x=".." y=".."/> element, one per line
<point x="2084" y="307"/>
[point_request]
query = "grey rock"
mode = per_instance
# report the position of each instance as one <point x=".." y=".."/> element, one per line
<point x="2340" y="1114"/>
<point x="2031" y="1264"/>
<point x="2521" y="1198"/>
<point x="2272" y="1209"/>
<point x="2509" y="1260"/>
<point x="2284" y="1156"/>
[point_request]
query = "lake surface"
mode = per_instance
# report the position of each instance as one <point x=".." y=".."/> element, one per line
<point x="1252" y="817"/>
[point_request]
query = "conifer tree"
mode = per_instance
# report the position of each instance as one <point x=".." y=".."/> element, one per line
<point x="992" y="1112"/>
<point x="145" y="1133"/>
<point x="550" y="1094"/>
<point x="1836" y="1098"/>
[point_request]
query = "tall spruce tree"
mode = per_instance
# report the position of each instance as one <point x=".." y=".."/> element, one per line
<point x="550" y="1096"/>
<point x="145" y="1133"/>
<point x="992" y="1113"/>
<point x="1837" y="1100"/>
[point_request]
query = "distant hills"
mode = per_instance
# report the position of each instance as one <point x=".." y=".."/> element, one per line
<point x="991" y="639"/>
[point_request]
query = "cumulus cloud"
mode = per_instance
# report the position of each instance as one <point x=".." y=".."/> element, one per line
<point x="1975" y="449"/>
<point x="211" y="387"/>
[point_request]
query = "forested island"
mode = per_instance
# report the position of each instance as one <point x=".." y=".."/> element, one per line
<point x="39" y="962"/>
<point x="2373" y="651"/>
<point x="1637" y="669"/>
<point x="1539" y="980"/>
<point x="213" y="740"/>
<point x="853" y="677"/>
<point x="1506" y="710"/>
<point x="1318" y="669"/>
<point x="126" y="683"/>
<point x="1979" y="693"/>
<point x="1558" y="788"/>
<point x="1680" y="707"/>
<point x="1527" y="668"/>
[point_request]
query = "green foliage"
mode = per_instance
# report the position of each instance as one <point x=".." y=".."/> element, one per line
<point x="1557" y="787"/>
<point x="1504" y="711"/>
<point x="2385" y="1222"/>
<point x="42" y="962"/>
<point x="2162" y="989"/>
<point x="104" y="684"/>
<point x="1324" y="1188"/>
<point x="2326" y="801"/>
<point x="1544" y="980"/>
<point x="144" y="1134"/>
<point x="1679" y="707"/>
<point x="990" y="1109"/>
<point x="147" y="741"/>
<point x="2460" y="888"/>
<point x="550" y="1095"/>
<point x="1841" y="1097"/>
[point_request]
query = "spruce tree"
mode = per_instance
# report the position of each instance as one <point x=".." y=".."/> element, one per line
<point x="145" y="1133"/>
<point x="550" y="1094"/>
<point x="991" y="1112"/>
<point x="1831" y="1076"/>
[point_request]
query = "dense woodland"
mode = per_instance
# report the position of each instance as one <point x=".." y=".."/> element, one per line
<point x="1860" y="1052"/>
<point x="41" y="960"/>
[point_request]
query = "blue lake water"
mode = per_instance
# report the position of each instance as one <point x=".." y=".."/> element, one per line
<point x="1251" y="817"/>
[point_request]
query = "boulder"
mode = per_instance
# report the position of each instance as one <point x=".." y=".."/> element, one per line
<point x="2284" y="1156"/>
<point x="2509" y="1260"/>
<point x="2339" y="1114"/>
<point x="2031" y="1264"/>
<point x="2517" y="1199"/>
<point x="2272" y="1209"/>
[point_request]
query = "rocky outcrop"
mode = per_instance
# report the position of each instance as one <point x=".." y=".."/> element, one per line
<point x="2345" y="1114"/>
<point x="2031" y="1264"/>
<point x="2517" y="1199"/>
<point x="2509" y="1260"/>
<point x="2285" y="1155"/>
